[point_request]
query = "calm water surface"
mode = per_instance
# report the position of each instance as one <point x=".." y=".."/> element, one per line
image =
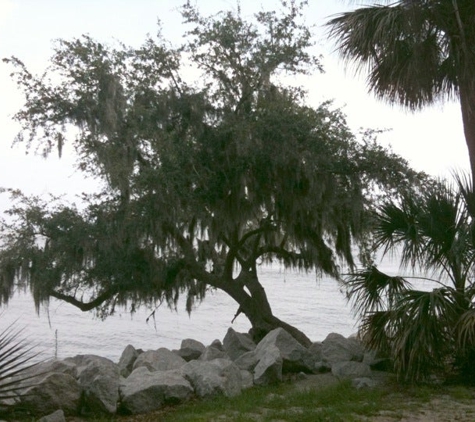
<point x="314" y="305"/>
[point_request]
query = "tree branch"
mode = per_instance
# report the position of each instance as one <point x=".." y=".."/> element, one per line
<point x="83" y="306"/>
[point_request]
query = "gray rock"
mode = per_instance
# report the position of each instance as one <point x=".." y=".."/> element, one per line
<point x="190" y="349"/>
<point x="99" y="380"/>
<point x="247" y="379"/>
<point x="217" y="345"/>
<point x="127" y="360"/>
<point x="211" y="353"/>
<point x="53" y="391"/>
<point x="144" y="391"/>
<point x="376" y="362"/>
<point x="57" y="416"/>
<point x="322" y="367"/>
<point x="316" y="349"/>
<point x="351" y="369"/>
<point x="295" y="357"/>
<point x="269" y="368"/>
<point x="360" y="383"/>
<point x="247" y="361"/>
<point x="210" y="378"/>
<point x="54" y="365"/>
<point x="159" y="360"/>
<point x="337" y="348"/>
<point x="236" y="344"/>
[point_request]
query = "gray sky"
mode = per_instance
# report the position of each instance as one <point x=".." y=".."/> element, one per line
<point x="432" y="140"/>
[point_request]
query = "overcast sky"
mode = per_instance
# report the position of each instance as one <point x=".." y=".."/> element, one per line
<point x="431" y="140"/>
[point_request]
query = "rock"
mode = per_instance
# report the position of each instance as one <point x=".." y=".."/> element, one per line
<point x="336" y="348"/>
<point x="236" y="344"/>
<point x="209" y="378"/>
<point x="57" y="416"/>
<point x="295" y="357"/>
<point x="269" y="368"/>
<point x="247" y="361"/>
<point x="375" y="362"/>
<point x="99" y="380"/>
<point x="247" y="379"/>
<point x="127" y="360"/>
<point x="211" y="353"/>
<point x="217" y="345"/>
<point x="159" y="360"/>
<point x="144" y="391"/>
<point x="47" y="367"/>
<point x="315" y="350"/>
<point x="190" y="349"/>
<point x="365" y="382"/>
<point x="351" y="369"/>
<point x="52" y="392"/>
<point x="322" y="367"/>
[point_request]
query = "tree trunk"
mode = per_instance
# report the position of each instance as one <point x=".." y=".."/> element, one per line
<point x="254" y="304"/>
<point x="467" y="103"/>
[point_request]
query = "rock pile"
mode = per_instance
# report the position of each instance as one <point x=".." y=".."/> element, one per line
<point x="144" y="381"/>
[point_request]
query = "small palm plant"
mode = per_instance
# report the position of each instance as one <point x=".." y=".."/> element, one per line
<point x="17" y="358"/>
<point x="425" y="333"/>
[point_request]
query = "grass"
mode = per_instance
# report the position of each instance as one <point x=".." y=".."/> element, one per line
<point x="339" y="402"/>
<point x="336" y="403"/>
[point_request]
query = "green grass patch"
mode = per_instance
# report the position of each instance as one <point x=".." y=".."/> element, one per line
<point x="340" y="402"/>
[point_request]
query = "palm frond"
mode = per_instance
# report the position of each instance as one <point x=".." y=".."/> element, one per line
<point x="376" y="333"/>
<point x="423" y="336"/>
<point x="17" y="358"/>
<point x="405" y="52"/>
<point x="465" y="330"/>
<point x="370" y="290"/>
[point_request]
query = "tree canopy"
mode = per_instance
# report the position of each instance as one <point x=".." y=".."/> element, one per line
<point x="202" y="181"/>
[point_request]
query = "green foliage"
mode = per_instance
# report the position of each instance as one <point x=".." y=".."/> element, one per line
<point x="17" y="357"/>
<point x="201" y="182"/>
<point x="425" y="333"/>
<point x="416" y="53"/>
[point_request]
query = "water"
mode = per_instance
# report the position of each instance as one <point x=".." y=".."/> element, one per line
<point x="314" y="305"/>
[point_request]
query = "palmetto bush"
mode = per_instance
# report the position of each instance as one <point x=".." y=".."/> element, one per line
<point x="425" y="333"/>
<point x="17" y="358"/>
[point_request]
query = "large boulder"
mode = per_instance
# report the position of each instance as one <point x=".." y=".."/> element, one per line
<point x="269" y="367"/>
<point x="127" y="360"/>
<point x="144" y="391"/>
<point x="54" y="365"/>
<point x="159" y="360"/>
<point x="190" y="349"/>
<point x="51" y="392"/>
<point x="337" y="348"/>
<point x="210" y="378"/>
<point x="211" y="353"/>
<point x="217" y="344"/>
<point x="247" y="379"/>
<point x="99" y="380"/>
<point x="247" y="361"/>
<point x="296" y="358"/>
<point x="57" y="416"/>
<point x="315" y="350"/>
<point x="236" y="344"/>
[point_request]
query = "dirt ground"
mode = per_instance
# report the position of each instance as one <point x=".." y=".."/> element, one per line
<point x="441" y="408"/>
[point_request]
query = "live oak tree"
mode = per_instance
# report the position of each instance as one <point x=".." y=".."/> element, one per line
<point x="201" y="182"/>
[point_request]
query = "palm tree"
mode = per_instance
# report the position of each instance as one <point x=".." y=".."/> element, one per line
<point x="17" y="359"/>
<point x="417" y="52"/>
<point x="424" y="332"/>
